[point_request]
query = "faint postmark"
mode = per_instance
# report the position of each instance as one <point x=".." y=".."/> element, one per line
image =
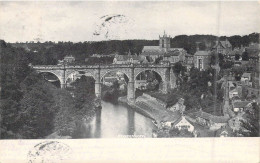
<point x="49" y="152"/>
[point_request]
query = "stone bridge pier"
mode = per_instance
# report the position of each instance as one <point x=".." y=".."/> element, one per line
<point x="63" y="79"/>
<point x="97" y="83"/>
<point x="131" y="86"/>
<point x="166" y="81"/>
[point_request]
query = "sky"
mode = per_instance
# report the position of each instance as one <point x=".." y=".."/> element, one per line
<point x="103" y="20"/>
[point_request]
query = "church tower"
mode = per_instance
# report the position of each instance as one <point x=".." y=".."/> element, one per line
<point x="165" y="43"/>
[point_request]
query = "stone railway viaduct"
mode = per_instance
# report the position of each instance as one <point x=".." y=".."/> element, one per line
<point x="98" y="72"/>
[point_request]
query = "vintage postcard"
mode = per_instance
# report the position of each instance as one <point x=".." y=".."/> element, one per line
<point x="75" y="72"/>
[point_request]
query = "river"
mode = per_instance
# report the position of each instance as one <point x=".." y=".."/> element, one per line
<point x="114" y="121"/>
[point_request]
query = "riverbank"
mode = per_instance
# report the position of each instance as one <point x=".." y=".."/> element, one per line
<point x="123" y="101"/>
<point x="151" y="109"/>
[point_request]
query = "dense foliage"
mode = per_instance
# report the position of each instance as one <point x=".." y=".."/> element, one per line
<point x="72" y="111"/>
<point x="111" y="93"/>
<point x="251" y="124"/>
<point x="31" y="107"/>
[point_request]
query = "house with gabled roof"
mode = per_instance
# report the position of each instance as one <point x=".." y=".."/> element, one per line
<point x="127" y="59"/>
<point x="202" y="59"/>
<point x="183" y="123"/>
<point x="69" y="59"/>
<point x="246" y="79"/>
<point x="224" y="131"/>
<point x="174" y="56"/>
<point x="223" y="47"/>
<point x="234" y="92"/>
<point x="240" y="106"/>
<point x="209" y="120"/>
<point x="232" y="54"/>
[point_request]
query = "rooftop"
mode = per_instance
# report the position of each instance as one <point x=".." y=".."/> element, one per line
<point x="240" y="104"/>
<point x="202" y="53"/>
<point x="126" y="57"/>
<point x="224" y="44"/>
<point x="149" y="53"/>
<point x="180" y="119"/>
<point x="172" y="53"/>
<point x="207" y="116"/>
<point x="151" y="48"/>
<point x="246" y="74"/>
<point x="226" y="129"/>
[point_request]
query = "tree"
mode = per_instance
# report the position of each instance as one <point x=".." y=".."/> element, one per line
<point x="115" y="85"/>
<point x="220" y="57"/>
<point x="213" y="58"/>
<point x="150" y="76"/>
<point x="178" y="69"/>
<point x="37" y="112"/>
<point x="216" y="58"/>
<point x="226" y="64"/>
<point x="250" y="126"/>
<point x="175" y="132"/>
<point x="245" y="56"/>
<point x="73" y="110"/>
<point x="157" y="60"/>
<point x="237" y="56"/>
<point x="84" y="90"/>
<point x="238" y="72"/>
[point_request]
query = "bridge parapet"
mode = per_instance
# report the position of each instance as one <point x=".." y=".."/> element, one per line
<point x="48" y="67"/>
<point x="45" y="67"/>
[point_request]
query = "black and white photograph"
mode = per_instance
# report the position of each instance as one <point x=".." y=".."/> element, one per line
<point x="129" y="69"/>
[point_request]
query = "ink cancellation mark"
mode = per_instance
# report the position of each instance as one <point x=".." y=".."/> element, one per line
<point x="49" y="152"/>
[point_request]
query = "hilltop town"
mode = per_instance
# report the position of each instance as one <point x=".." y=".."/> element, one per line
<point x="228" y="81"/>
<point x="212" y="91"/>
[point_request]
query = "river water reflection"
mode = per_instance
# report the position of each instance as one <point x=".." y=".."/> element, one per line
<point x="114" y="121"/>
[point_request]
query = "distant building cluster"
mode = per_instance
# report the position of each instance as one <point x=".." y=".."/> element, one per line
<point x="66" y="60"/>
<point x="151" y="54"/>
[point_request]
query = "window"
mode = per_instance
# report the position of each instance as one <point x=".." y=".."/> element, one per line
<point x="200" y="64"/>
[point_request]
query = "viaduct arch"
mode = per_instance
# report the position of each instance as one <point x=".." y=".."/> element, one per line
<point x="99" y="71"/>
